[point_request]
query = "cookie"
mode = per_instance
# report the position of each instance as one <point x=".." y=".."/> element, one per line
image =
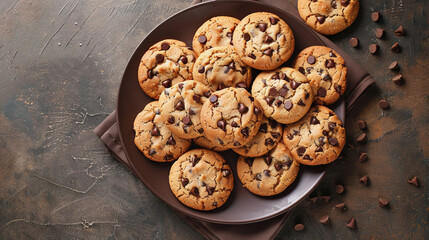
<point x="201" y="179"/>
<point x="270" y="174"/>
<point x="318" y="138"/>
<point x="165" y="63"/>
<point x="270" y="133"/>
<point x="181" y="105"/>
<point x="205" y="143"/>
<point x="231" y="117"/>
<point x="216" y="32"/>
<point x="153" y="137"/>
<point x="221" y="67"/>
<point x="328" y="16"/>
<point x="263" y="41"/>
<point x="326" y="70"/>
<point x="285" y="94"/>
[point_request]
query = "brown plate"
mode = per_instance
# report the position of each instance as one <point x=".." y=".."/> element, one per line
<point x="242" y="206"/>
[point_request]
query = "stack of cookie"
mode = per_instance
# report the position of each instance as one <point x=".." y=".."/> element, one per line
<point x="207" y="95"/>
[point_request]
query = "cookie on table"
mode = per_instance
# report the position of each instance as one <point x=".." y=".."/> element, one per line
<point x="153" y="137"/>
<point x="326" y="70"/>
<point x="328" y="16"/>
<point x="270" y="133"/>
<point x="181" y="105"/>
<point x="285" y="94"/>
<point x="215" y="32"/>
<point x="201" y="179"/>
<point x="206" y="143"/>
<point x="221" y="67"/>
<point x="270" y="174"/>
<point x="318" y="138"/>
<point x="164" y="64"/>
<point x="263" y="41"/>
<point x="231" y="117"/>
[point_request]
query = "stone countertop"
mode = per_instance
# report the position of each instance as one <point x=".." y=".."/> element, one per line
<point x="60" y="67"/>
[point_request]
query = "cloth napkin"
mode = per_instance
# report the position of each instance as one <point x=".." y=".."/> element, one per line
<point x="358" y="81"/>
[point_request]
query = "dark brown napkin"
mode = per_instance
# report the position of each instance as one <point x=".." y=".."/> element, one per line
<point x="358" y="81"/>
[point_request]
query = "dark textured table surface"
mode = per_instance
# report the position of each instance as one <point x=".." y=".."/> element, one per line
<point x="60" y="67"/>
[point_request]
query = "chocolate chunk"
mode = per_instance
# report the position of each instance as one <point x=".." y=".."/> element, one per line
<point x="268" y="160"/>
<point x="373" y="48"/>
<point x="180" y="105"/>
<point x="299" y="227"/>
<point x="197" y="98"/>
<point x="187" y="120"/>
<point x="249" y="161"/>
<point x="194" y="160"/>
<point x="201" y="69"/>
<point x="263" y="128"/>
<point x="332" y="125"/>
<point x="245" y="131"/>
<point x="324" y="219"/>
<point x="159" y="58"/>
<point x="398" y="79"/>
<point x="375" y="16"/>
<point x="339" y="189"/>
<point x="269" y="100"/>
<point x="256" y="111"/>
<point x="354" y="42"/>
<point x="352" y="223"/>
<point x="275" y="76"/>
<point x="210" y="190"/>
<point x="314" y="120"/>
<point x="321" y="92"/>
<point x="251" y="55"/>
<point x="396" y="48"/>
<point x="283" y="92"/>
<point x="345" y="3"/>
<point x="383" y="202"/>
<point x="311" y="60"/>
<point x="364" y="180"/>
<point x="273" y="20"/>
<point x="258" y="177"/>
<point x="267" y="172"/>
<point x="333" y="141"/>
<point x="301" y="103"/>
<point x="337" y="88"/>
<point x="363" y="157"/>
<point x="222" y="124"/>
<point x="165" y="46"/>
<point x="294" y="85"/>
<point x="246" y="37"/>
<point x="171" y="120"/>
<point x="213" y="98"/>
<point x="379" y="32"/>
<point x="184" y="59"/>
<point x="171" y="141"/>
<point x="334" y="4"/>
<point x="242" y="108"/>
<point x="394" y="66"/>
<point x="155" y="131"/>
<point x="414" y="181"/>
<point x="168" y="157"/>
<point x="330" y="63"/>
<point x="268" y="52"/>
<point x="278" y="165"/>
<point x="272" y="123"/>
<point x="152" y="152"/>
<point x="268" y="39"/>
<point x="262" y="26"/>
<point x="166" y="83"/>
<point x="301" y="150"/>
<point x="241" y="85"/>
<point x="234" y="124"/>
<point x="383" y="104"/>
<point x="320" y="18"/>
<point x="184" y="181"/>
<point x="278" y="102"/>
<point x="202" y="39"/>
<point x="301" y="70"/>
<point x="273" y="92"/>
<point x="288" y="105"/>
<point x="400" y="31"/>
<point x="150" y="73"/>
<point x="269" y="141"/>
<point x="332" y="54"/>
<point x="307" y="157"/>
<point x="226" y="173"/>
<point x="319" y="149"/>
<point x="194" y="191"/>
<point x="275" y="134"/>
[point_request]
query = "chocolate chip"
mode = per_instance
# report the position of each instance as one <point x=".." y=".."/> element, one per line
<point x="150" y="73"/>
<point x="210" y="190"/>
<point x="301" y="150"/>
<point x="311" y="60"/>
<point x="269" y="100"/>
<point x="184" y="181"/>
<point x="272" y="123"/>
<point x="258" y="177"/>
<point x="249" y="161"/>
<point x="202" y="39"/>
<point x="396" y="48"/>
<point x="268" y="52"/>
<point x="171" y="120"/>
<point x="241" y="85"/>
<point x="278" y="165"/>
<point x="180" y="86"/>
<point x="256" y="111"/>
<point x="282" y="76"/>
<point x="330" y="63"/>
<point x="397" y="79"/>
<point x="320" y="18"/>
<point x="363" y="157"/>
<point x="152" y="152"/>
<point x="301" y="70"/>
<point x="201" y="69"/>
<point x="251" y="55"/>
<point x="226" y="173"/>
<point x="267" y="172"/>
<point x="171" y="141"/>
<point x="314" y="120"/>
<point x="333" y="141"/>
<point x="326" y="133"/>
<point x="283" y="92"/>
<point x="364" y="180"/>
<point x="221" y="86"/>
<point x="337" y="88"/>
<point x="251" y="98"/>
<point x="278" y="102"/>
<point x="373" y="48"/>
<point x="213" y="98"/>
<point x="332" y="54"/>
<point x="354" y="42"/>
<point x="352" y="223"/>
<point x="273" y="92"/>
<point x="246" y="37"/>
<point x="237" y="144"/>
<point x="383" y="202"/>
<point x="194" y="191"/>
<point x="273" y="20"/>
<point x="414" y="181"/>
<point x="307" y="157"/>
<point x="168" y="157"/>
<point x="334" y="4"/>
<point x="194" y="160"/>
<point x="275" y="134"/>
<point x="288" y="105"/>
<point x="299" y="227"/>
<point x="245" y="131"/>
<point x="234" y="124"/>
<point x="321" y="92"/>
<point x="242" y="108"/>
<point x="319" y="149"/>
<point x="400" y="31"/>
<point x="339" y="189"/>
<point x="345" y="3"/>
<point x="268" y="39"/>
<point x="200" y="130"/>
<point x="165" y="46"/>
<point x="262" y="26"/>
<point x="332" y="125"/>
<point x="180" y="105"/>
<point x="222" y="124"/>
<point x="383" y="104"/>
<point x="294" y="85"/>
<point x="324" y="219"/>
<point x="379" y="32"/>
<point x="166" y="83"/>
<point x="375" y="16"/>
<point x="269" y="141"/>
<point x="394" y="66"/>
<point x="187" y="120"/>
<point x="155" y="131"/>
<point x="159" y="58"/>
<point x="268" y="160"/>
<point x="263" y="128"/>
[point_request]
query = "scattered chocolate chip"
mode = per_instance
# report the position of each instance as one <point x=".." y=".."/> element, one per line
<point x="288" y="105"/>
<point x="267" y="172"/>
<point x="269" y="100"/>
<point x="334" y="4"/>
<point x="339" y="189"/>
<point x="166" y="83"/>
<point x="319" y="149"/>
<point x="321" y="92"/>
<point x="245" y="131"/>
<point x="171" y="141"/>
<point x="241" y="85"/>
<point x="187" y="120"/>
<point x="340" y="206"/>
<point x="262" y="26"/>
<point x="278" y="102"/>
<point x="300" y="151"/>
<point x="400" y="31"/>
<point x="226" y="173"/>
<point x="332" y="125"/>
<point x="237" y="144"/>
<point x="364" y="180"/>
<point x="301" y="70"/>
<point x="268" y="39"/>
<point x="263" y="128"/>
<point x="242" y="108"/>
<point x="337" y="88"/>
<point x="398" y="79"/>
<point x="201" y="69"/>
<point x="184" y="181"/>
<point x="307" y="157"/>
<point x="333" y="141"/>
<point x="210" y="190"/>
<point x="362" y="124"/>
<point x="332" y="54"/>
<point x="373" y="48"/>
<point x="396" y="48"/>
<point x="379" y="32"/>
<point x="320" y="18"/>
<point x="213" y="98"/>
<point x="150" y="73"/>
<point x="159" y="58"/>
<point x="278" y="165"/>
<point x="200" y="130"/>
<point x="256" y="111"/>
<point x="194" y="160"/>
<point x="394" y="66"/>
<point x="283" y="92"/>
<point x="171" y="120"/>
<point x="222" y="124"/>
<point x="326" y="133"/>
<point x="383" y="104"/>
<point x="362" y="138"/>
<point x="234" y="124"/>
<point x="311" y="60"/>
<point x="273" y="123"/>
<point x="249" y="161"/>
<point x="180" y="86"/>
<point x="155" y="131"/>
<point x="268" y="52"/>
<point x="294" y="85"/>
<point x="299" y="227"/>
<point x="330" y="63"/>
<point x="269" y="141"/>
<point x="363" y="157"/>
<point x="202" y="39"/>
<point x="258" y="177"/>
<point x="251" y="55"/>
<point x="307" y="95"/>
<point x="246" y="37"/>
<point x="272" y="92"/>
<point x="383" y="202"/>
<point x="345" y="3"/>
<point x="375" y="16"/>
<point x="180" y="105"/>
<point x="324" y="219"/>
<point x="275" y="134"/>
<point x="165" y="46"/>
<point x="194" y="191"/>
<point x="352" y="223"/>
<point x="414" y="181"/>
<point x="273" y="20"/>
<point x="354" y="42"/>
<point x="152" y="152"/>
<point x="251" y="98"/>
<point x="314" y="120"/>
<point x="168" y="157"/>
<point x="301" y="103"/>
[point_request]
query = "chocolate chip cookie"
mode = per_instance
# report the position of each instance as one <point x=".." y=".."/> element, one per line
<point x="206" y="143"/>
<point x="285" y="94"/>
<point x="221" y="67"/>
<point x="263" y="41"/>
<point x="166" y="63"/>
<point x="153" y="137"/>
<point x="216" y="32"/>
<point x="326" y="70"/>
<point x="270" y="133"/>
<point x="318" y="138"/>
<point x="328" y="16"/>
<point x="231" y="117"/>
<point x="181" y="105"/>
<point x="270" y="174"/>
<point x="201" y="179"/>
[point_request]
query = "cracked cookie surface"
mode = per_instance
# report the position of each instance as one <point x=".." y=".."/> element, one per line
<point x="270" y="174"/>
<point x="231" y="117"/>
<point x="269" y="134"/>
<point x="326" y="70"/>
<point x="164" y="64"/>
<point x="328" y="16"/>
<point x="215" y="32"/>
<point x="153" y="137"/>
<point x="285" y="94"/>
<point x="181" y="106"/>
<point x="221" y="67"/>
<point x="263" y="41"/>
<point x="201" y="179"/>
<point x="318" y="138"/>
